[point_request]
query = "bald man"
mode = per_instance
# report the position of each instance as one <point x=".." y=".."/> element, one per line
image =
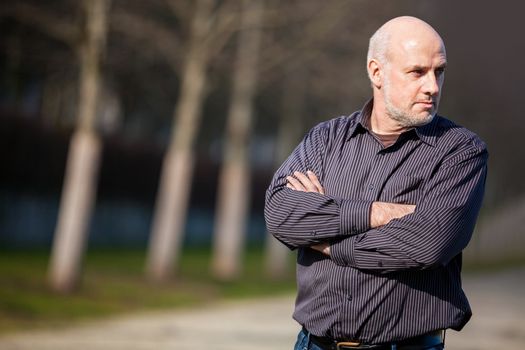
<point x="380" y="205"/>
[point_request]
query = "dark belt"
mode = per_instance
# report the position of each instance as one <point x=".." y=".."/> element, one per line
<point x="422" y="341"/>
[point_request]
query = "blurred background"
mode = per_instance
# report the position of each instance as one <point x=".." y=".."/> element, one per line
<point x="137" y="139"/>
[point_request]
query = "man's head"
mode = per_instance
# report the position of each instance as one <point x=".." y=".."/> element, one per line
<point x="406" y="63"/>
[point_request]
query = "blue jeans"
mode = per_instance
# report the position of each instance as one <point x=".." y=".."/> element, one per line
<point x="304" y="343"/>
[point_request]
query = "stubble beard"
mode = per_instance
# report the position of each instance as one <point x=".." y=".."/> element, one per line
<point x="404" y="118"/>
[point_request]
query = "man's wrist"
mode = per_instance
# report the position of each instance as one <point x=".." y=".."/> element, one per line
<point x="381" y="213"/>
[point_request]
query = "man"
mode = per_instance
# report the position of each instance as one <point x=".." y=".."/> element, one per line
<point x="380" y="205"/>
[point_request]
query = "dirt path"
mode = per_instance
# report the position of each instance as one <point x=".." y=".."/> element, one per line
<point x="498" y="301"/>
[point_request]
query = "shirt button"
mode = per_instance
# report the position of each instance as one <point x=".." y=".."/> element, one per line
<point x="349" y="298"/>
<point x="370" y="187"/>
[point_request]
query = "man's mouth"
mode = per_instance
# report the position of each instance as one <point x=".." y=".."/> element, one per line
<point x="427" y="104"/>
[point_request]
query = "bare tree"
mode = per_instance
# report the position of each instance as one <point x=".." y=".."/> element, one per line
<point x="234" y="181"/>
<point x="83" y="160"/>
<point x="175" y="181"/>
<point x="209" y="30"/>
<point x="81" y="175"/>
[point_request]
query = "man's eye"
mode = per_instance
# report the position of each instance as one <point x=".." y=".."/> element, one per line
<point x="417" y="72"/>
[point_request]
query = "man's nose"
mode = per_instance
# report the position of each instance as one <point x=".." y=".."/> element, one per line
<point x="431" y="86"/>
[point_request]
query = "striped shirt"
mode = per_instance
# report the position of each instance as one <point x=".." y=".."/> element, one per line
<point x="398" y="280"/>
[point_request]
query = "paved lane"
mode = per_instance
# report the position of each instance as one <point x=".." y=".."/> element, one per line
<point x="498" y="300"/>
<point x="498" y="321"/>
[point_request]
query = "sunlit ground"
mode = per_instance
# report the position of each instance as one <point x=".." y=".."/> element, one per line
<point x="497" y="298"/>
<point x="114" y="283"/>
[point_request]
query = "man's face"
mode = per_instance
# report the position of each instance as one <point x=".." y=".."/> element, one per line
<point x="413" y="78"/>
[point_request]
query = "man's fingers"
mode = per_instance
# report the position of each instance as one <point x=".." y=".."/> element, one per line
<point x="305" y="181"/>
<point x="296" y="184"/>
<point x="315" y="181"/>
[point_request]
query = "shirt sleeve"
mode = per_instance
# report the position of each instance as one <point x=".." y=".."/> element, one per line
<point x="438" y="230"/>
<point x="300" y="219"/>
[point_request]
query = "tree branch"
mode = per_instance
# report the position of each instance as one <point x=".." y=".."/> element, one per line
<point x="313" y="32"/>
<point x="153" y="34"/>
<point x="47" y="22"/>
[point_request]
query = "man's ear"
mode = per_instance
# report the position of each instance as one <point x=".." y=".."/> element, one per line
<point x="375" y="73"/>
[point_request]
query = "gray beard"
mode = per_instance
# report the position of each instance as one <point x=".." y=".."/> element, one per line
<point x="406" y="120"/>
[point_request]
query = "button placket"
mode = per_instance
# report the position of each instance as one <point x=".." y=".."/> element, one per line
<point x="375" y="185"/>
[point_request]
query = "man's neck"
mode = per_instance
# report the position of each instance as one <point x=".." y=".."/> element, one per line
<point x="382" y="124"/>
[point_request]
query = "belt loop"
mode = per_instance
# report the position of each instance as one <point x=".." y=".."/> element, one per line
<point x="394" y="346"/>
<point x="307" y="345"/>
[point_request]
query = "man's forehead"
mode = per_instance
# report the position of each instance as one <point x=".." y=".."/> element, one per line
<point x="418" y="41"/>
<point x="418" y="52"/>
<point x="424" y="60"/>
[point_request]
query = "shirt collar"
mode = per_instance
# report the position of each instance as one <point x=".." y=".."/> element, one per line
<point x="426" y="133"/>
<point x="361" y="119"/>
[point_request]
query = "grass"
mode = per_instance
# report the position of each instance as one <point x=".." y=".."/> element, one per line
<point x="113" y="283"/>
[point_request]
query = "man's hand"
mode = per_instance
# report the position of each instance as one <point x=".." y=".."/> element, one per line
<point x="382" y="213"/>
<point x="323" y="248"/>
<point x="305" y="183"/>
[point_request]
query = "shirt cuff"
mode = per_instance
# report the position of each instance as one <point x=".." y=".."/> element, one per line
<point x="354" y="216"/>
<point x="342" y="252"/>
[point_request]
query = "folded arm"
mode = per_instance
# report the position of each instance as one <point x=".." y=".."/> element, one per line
<point x="300" y="214"/>
<point x="381" y="213"/>
<point x="438" y="230"/>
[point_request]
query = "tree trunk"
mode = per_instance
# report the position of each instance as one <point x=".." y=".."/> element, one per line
<point x="83" y="160"/>
<point x="175" y="182"/>
<point x="234" y="180"/>
<point x="288" y="135"/>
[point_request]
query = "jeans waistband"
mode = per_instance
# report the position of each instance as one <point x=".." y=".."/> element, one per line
<point x="430" y="339"/>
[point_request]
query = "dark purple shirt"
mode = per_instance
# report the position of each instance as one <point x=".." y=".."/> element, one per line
<point x="398" y="280"/>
